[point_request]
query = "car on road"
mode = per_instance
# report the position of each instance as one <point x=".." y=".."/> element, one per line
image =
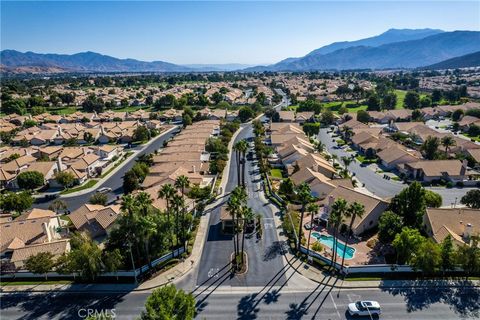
<point x="104" y="190"/>
<point x="364" y="308"/>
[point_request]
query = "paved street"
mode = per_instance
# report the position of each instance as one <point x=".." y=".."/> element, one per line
<point x="115" y="181"/>
<point x="375" y="182"/>
<point x="262" y="303"/>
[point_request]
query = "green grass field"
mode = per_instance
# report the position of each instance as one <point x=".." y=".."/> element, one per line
<point x="276" y="173"/>
<point x="88" y="184"/>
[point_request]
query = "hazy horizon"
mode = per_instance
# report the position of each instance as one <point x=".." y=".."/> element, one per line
<point x="186" y="33"/>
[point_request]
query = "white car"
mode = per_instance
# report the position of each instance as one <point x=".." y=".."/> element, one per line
<point x="104" y="190"/>
<point x="364" y="308"/>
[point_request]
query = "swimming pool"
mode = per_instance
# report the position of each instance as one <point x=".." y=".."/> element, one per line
<point x="328" y="241"/>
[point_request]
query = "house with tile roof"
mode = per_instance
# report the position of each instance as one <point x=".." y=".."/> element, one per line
<point x="96" y="220"/>
<point x="459" y="223"/>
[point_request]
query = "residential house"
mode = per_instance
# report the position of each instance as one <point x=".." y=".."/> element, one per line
<point x="374" y="208"/>
<point x="96" y="220"/>
<point x="432" y="170"/>
<point x="287" y="116"/>
<point x="459" y="223"/>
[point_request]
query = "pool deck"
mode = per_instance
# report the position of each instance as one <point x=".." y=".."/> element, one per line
<point x="363" y="254"/>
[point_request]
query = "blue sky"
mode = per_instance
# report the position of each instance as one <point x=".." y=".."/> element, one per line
<point x="215" y="32"/>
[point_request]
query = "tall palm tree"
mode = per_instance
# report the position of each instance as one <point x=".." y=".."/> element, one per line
<point x="182" y="183"/>
<point x="177" y="204"/>
<point x="303" y="194"/>
<point x="233" y="207"/>
<point x="448" y="142"/>
<point x="166" y="192"/>
<point x="247" y="216"/>
<point x="319" y="147"/>
<point x="312" y="208"/>
<point x="337" y="212"/>
<point x="143" y="201"/>
<point x="241" y="148"/>
<point x="353" y="211"/>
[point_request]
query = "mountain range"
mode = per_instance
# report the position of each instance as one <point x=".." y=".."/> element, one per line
<point x="466" y="61"/>
<point x="393" y="49"/>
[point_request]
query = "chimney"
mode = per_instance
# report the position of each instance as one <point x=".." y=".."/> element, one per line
<point x="194" y="169"/>
<point x="102" y="130"/>
<point x="59" y="129"/>
<point x="59" y="164"/>
<point x="46" y="230"/>
<point x="467" y="231"/>
<point x="463" y="170"/>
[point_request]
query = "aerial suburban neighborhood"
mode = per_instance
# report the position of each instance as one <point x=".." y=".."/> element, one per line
<point x="342" y="183"/>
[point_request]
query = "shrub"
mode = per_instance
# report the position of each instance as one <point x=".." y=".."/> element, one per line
<point x="317" y="246"/>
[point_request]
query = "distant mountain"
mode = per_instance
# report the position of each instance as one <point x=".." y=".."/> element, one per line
<point x="218" y="67"/>
<point x="389" y="36"/>
<point x="404" y="54"/>
<point x="83" y="62"/>
<point x="466" y="61"/>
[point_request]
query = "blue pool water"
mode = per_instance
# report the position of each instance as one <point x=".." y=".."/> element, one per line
<point x="328" y="241"/>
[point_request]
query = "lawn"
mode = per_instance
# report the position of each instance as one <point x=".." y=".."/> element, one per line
<point x="88" y="184"/>
<point x="401" y="97"/>
<point x="30" y="283"/>
<point x="351" y="105"/>
<point x="276" y="173"/>
<point x="131" y="109"/>
<point x="128" y="154"/>
<point x="364" y="160"/>
<point x="63" y="111"/>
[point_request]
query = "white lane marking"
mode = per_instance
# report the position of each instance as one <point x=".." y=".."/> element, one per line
<point x="213" y="272"/>
<point x="335" y="305"/>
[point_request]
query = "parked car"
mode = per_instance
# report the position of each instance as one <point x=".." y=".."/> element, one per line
<point x="104" y="190"/>
<point x="364" y="308"/>
<point x="308" y="226"/>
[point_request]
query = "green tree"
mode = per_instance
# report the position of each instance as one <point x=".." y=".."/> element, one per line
<point x="183" y="183"/>
<point x="57" y="206"/>
<point x="406" y="243"/>
<point x="327" y="117"/>
<point x="338" y="212"/>
<point x="430" y="147"/>
<point x="18" y="202"/>
<point x="447" y="142"/>
<point x="98" y="198"/>
<point x="433" y="199"/>
<point x="425" y="102"/>
<point x="471" y="199"/>
<point x="304" y="196"/>
<point x="410" y="204"/>
<point x="245" y="113"/>
<point x="65" y="178"/>
<point x="312" y="209"/>
<point x="412" y="100"/>
<point x="373" y="102"/>
<point x="427" y="257"/>
<point x="468" y="257"/>
<point x="389" y="225"/>
<point x="130" y="182"/>
<point x="141" y="134"/>
<point x="311" y="129"/>
<point x="17" y="106"/>
<point x="389" y="101"/>
<point x="168" y="303"/>
<point x="41" y="263"/>
<point x="353" y="211"/>
<point x="363" y="116"/>
<point x="447" y="252"/>
<point x="30" y="180"/>
<point x="85" y="256"/>
<point x="287" y="188"/>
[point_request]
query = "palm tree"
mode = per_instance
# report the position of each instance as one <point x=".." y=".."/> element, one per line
<point x="448" y="142"/>
<point x="233" y="207"/>
<point x="312" y="208"/>
<point x="241" y="148"/>
<point x="58" y="205"/>
<point x="353" y="211"/>
<point x="346" y="161"/>
<point x="303" y="194"/>
<point x="143" y="202"/>
<point x="337" y="212"/>
<point x="177" y="204"/>
<point x="182" y="183"/>
<point x="247" y="216"/>
<point x="347" y="132"/>
<point x="166" y="192"/>
<point x="319" y="147"/>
